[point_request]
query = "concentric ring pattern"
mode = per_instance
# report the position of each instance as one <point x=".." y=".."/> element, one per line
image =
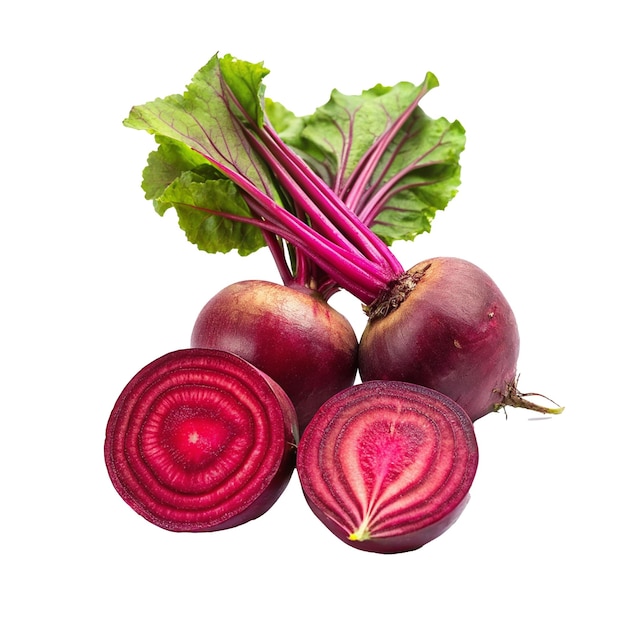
<point x="195" y="438"/>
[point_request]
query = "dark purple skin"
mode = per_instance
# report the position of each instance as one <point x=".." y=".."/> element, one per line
<point x="455" y="333"/>
<point x="292" y="335"/>
<point x="200" y="440"/>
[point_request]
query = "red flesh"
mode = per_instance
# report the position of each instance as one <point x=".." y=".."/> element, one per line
<point x="455" y="333"/>
<point x="292" y="335"/>
<point x="387" y="466"/>
<point x="200" y="440"/>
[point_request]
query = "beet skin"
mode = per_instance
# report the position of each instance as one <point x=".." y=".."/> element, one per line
<point x="291" y="334"/>
<point x="455" y="332"/>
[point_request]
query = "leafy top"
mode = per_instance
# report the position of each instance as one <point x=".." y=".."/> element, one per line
<point x="243" y="171"/>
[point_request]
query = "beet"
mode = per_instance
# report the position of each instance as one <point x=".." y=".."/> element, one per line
<point x="387" y="466"/>
<point x="200" y="440"/>
<point x="293" y="335"/>
<point x="450" y="328"/>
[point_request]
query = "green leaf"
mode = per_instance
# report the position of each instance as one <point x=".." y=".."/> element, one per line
<point x="209" y="232"/>
<point x="245" y="80"/>
<point x="201" y="147"/>
<point x="398" y="189"/>
<point x="165" y="165"/>
<point x="346" y="127"/>
<point x="413" y="209"/>
<point x="426" y="162"/>
<point x="206" y="118"/>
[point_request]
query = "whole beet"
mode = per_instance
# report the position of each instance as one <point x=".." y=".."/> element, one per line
<point x="451" y="329"/>
<point x="292" y="335"/>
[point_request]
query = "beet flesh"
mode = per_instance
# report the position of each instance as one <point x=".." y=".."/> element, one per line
<point x="200" y="440"/>
<point x="387" y="466"/>
<point x="292" y="335"/>
<point x="455" y="332"/>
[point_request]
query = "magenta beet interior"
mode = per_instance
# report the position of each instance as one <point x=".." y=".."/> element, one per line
<point x="198" y="437"/>
<point x="385" y="460"/>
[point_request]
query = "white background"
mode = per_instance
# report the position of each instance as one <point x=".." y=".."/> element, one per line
<point x="95" y="285"/>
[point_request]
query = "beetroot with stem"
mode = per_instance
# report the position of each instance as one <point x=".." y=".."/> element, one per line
<point x="387" y="466"/>
<point x="200" y="440"/>
<point x="361" y="172"/>
<point x="291" y="334"/>
<point x="446" y="325"/>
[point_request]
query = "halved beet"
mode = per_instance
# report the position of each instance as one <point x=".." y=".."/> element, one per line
<point x="387" y="466"/>
<point x="201" y="440"/>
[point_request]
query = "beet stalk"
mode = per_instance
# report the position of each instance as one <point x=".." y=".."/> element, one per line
<point x="200" y="440"/>
<point x="387" y="466"/>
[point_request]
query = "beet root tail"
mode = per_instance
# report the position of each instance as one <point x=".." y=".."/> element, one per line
<point x="513" y="397"/>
